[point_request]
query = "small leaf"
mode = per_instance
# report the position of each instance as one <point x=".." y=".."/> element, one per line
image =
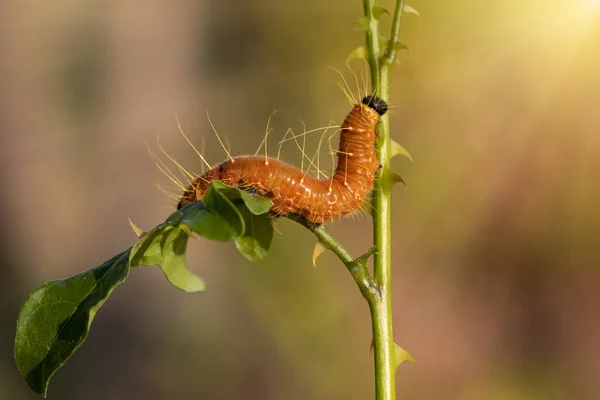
<point x="165" y="247"/>
<point x="378" y="11"/>
<point x="256" y="240"/>
<point x="410" y="10"/>
<point x="138" y="232"/>
<point x="243" y="218"/>
<point x="359" y="52"/>
<point x="256" y="204"/>
<point x="362" y="23"/>
<point x="398" y="150"/>
<point x="318" y="250"/>
<point x="402" y="355"/>
<point x="215" y="200"/>
<point x="208" y="223"/>
<point x="55" y="319"/>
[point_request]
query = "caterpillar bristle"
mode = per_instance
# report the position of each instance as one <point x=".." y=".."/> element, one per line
<point x="190" y="142"/>
<point x="295" y="191"/>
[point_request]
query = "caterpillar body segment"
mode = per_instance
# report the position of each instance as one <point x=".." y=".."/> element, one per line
<point x="295" y="192"/>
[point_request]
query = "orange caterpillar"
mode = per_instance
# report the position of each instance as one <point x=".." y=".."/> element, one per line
<point x="295" y="192"/>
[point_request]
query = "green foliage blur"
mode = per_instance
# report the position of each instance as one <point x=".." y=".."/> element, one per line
<point x="496" y="239"/>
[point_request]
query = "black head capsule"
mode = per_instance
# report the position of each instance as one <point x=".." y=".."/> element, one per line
<point x="377" y="104"/>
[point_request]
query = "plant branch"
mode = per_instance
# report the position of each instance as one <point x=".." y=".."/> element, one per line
<point x="372" y="41"/>
<point x="358" y="267"/>
<point x="392" y="49"/>
<point x="376" y="289"/>
<point x="381" y="311"/>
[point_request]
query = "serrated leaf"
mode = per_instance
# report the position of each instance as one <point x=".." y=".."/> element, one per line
<point x="359" y="52"/>
<point x="55" y="319"/>
<point x="165" y="247"/>
<point x="378" y="11"/>
<point x="398" y="150"/>
<point x="317" y="251"/>
<point x="362" y="23"/>
<point x="256" y="240"/>
<point x="410" y="10"/>
<point x="402" y="355"/>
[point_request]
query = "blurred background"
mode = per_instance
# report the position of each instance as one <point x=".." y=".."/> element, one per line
<point x="496" y="239"/>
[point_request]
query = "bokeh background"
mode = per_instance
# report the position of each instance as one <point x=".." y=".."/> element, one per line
<point x="496" y="239"/>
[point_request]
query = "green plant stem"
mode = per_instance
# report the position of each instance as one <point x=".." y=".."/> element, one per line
<point x="358" y="267"/>
<point x="389" y="57"/>
<point x="376" y="289"/>
<point x="381" y="310"/>
<point x="372" y="41"/>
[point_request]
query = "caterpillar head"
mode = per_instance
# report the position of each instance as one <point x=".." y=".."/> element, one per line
<point x="375" y="103"/>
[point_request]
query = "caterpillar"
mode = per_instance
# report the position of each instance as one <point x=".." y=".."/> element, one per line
<point x="295" y="192"/>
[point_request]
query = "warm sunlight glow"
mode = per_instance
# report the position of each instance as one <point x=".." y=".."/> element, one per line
<point x="592" y="5"/>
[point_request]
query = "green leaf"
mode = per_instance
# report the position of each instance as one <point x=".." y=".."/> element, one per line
<point x="215" y="200"/>
<point x="378" y="11"/>
<point x="55" y="319"/>
<point x="216" y="218"/>
<point x="209" y="223"/>
<point x="256" y="204"/>
<point x="256" y="240"/>
<point x="165" y="247"/>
